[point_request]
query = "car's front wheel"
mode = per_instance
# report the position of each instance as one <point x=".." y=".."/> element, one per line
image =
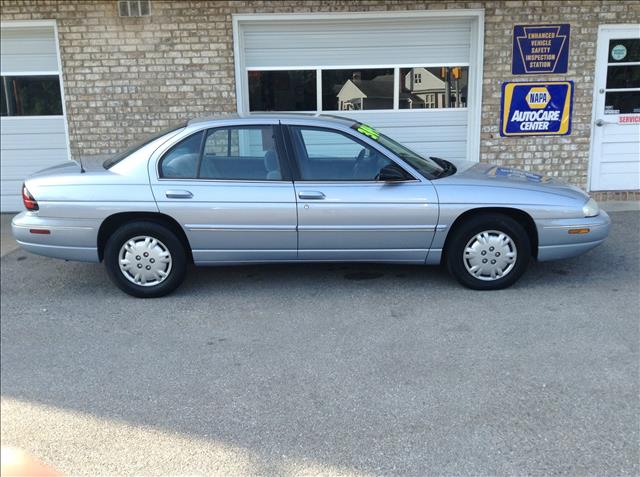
<point x="145" y="259"/>
<point x="488" y="252"/>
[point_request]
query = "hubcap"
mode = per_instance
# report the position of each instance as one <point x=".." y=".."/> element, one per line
<point x="145" y="261"/>
<point x="490" y="255"/>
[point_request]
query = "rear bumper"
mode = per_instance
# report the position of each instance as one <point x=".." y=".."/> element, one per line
<point x="68" y="239"/>
<point x="555" y="241"/>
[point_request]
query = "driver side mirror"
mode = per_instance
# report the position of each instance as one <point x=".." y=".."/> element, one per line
<point x="391" y="173"/>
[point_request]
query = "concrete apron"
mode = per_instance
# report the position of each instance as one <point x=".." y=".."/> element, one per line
<point x="8" y="244"/>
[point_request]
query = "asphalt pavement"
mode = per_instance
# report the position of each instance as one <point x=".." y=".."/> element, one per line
<point x="327" y="369"/>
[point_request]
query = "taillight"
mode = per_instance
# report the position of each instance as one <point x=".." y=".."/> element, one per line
<point x="29" y="202"/>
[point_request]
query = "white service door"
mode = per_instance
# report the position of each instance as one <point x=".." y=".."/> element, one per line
<point x="616" y="120"/>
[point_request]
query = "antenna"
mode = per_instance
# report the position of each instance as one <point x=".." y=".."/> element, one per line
<point x="75" y="138"/>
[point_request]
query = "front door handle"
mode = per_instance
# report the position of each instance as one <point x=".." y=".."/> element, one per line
<point x="178" y="194"/>
<point x="311" y="195"/>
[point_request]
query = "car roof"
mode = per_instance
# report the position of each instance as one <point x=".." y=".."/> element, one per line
<point x="313" y="117"/>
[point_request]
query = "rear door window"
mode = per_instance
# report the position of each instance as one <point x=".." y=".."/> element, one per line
<point x="246" y="153"/>
<point x="181" y="161"/>
<point x="241" y="153"/>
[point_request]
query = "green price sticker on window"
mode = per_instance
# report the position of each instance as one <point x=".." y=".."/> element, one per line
<point x="368" y="131"/>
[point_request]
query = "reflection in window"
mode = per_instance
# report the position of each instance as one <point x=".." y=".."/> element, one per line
<point x="347" y="90"/>
<point x="293" y="90"/>
<point x="30" y="96"/>
<point x="437" y="87"/>
<point x="622" y="102"/>
<point x="623" y="76"/>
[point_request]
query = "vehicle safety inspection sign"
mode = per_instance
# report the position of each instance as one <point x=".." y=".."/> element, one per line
<point x="539" y="49"/>
<point x="536" y="108"/>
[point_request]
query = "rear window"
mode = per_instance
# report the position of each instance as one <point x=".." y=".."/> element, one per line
<point x="112" y="161"/>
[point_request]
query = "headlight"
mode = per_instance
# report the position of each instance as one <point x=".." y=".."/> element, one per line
<point x="590" y="209"/>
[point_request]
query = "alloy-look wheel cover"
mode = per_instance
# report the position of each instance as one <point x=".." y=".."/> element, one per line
<point x="145" y="261"/>
<point x="490" y="255"/>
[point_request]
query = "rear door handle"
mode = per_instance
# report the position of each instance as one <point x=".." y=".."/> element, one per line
<point x="311" y="195"/>
<point x="178" y="194"/>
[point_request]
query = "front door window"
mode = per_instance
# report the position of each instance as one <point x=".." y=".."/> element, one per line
<point x="325" y="155"/>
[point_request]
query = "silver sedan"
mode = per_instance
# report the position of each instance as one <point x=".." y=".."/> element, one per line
<point x="292" y="188"/>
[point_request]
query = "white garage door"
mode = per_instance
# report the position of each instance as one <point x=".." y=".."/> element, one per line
<point x="33" y="131"/>
<point x="416" y="76"/>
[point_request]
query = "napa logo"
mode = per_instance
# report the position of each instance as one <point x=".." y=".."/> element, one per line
<point x="538" y="98"/>
<point x="536" y="108"/>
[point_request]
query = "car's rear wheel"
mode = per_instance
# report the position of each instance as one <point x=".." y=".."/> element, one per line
<point x="488" y="252"/>
<point x="145" y="259"/>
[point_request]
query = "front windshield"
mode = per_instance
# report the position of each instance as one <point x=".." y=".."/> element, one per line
<point x="112" y="161"/>
<point x="426" y="166"/>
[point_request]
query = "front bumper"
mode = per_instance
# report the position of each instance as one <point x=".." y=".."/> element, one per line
<point x="68" y="239"/>
<point x="555" y="241"/>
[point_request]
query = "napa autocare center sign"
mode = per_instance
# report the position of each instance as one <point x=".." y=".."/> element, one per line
<point x="536" y="108"/>
<point x="540" y="49"/>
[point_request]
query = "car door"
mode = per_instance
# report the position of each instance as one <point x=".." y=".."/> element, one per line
<point x="227" y="187"/>
<point x="345" y="212"/>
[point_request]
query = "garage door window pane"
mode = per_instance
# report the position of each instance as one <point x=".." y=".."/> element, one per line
<point x="433" y="88"/>
<point x="241" y="153"/>
<point x="31" y="96"/>
<point x="4" y="106"/>
<point x="282" y="90"/>
<point x="357" y="89"/>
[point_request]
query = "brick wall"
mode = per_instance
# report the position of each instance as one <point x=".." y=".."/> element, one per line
<point x="125" y="77"/>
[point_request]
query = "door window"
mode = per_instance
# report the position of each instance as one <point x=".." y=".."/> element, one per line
<point x="181" y="161"/>
<point x="232" y="153"/>
<point x="623" y="77"/>
<point x="325" y="155"/>
<point x="242" y="153"/>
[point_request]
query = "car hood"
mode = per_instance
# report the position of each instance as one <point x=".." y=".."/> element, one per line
<point x="483" y="174"/>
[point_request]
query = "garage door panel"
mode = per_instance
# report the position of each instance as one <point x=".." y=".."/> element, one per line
<point x="36" y="125"/>
<point x="33" y="141"/>
<point x="267" y="58"/>
<point x="317" y="43"/>
<point x="12" y="202"/>
<point x="28" y="49"/>
<point x="23" y="46"/>
<point x="433" y="134"/>
<point x="11" y="187"/>
<point x="408" y="118"/>
<point x="13" y="170"/>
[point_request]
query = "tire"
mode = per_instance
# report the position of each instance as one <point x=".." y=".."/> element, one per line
<point x="155" y="274"/>
<point x="474" y="245"/>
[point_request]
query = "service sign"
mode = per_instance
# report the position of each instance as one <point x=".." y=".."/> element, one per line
<point x="536" y="108"/>
<point x="540" y="49"/>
